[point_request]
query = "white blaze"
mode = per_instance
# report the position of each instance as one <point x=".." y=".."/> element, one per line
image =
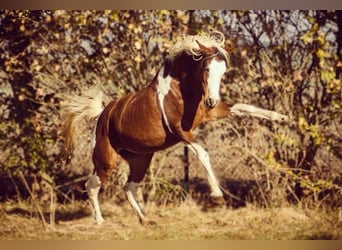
<point x="216" y="71"/>
<point x="163" y="88"/>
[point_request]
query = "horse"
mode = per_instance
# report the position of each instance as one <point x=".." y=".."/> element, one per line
<point x="184" y="93"/>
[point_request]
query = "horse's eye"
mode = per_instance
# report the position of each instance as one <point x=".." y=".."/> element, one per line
<point x="206" y="69"/>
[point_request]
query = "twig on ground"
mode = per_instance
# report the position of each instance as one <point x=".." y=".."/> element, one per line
<point x="22" y="177"/>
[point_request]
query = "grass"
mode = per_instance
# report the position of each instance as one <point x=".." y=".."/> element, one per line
<point x="186" y="221"/>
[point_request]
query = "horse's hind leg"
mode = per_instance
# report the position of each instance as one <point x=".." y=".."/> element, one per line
<point x="138" y="165"/>
<point x="93" y="186"/>
<point x="104" y="159"/>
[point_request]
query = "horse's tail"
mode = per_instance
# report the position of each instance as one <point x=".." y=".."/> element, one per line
<point x="86" y="107"/>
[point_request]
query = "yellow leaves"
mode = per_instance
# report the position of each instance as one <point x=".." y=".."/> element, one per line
<point x="313" y="129"/>
<point x="302" y="124"/>
<point x="327" y="75"/>
<point x="59" y="13"/>
<point x="22" y="28"/>
<point x="67" y="25"/>
<point x="311" y="19"/>
<point x="285" y="139"/>
<point x="315" y="35"/>
<point x="36" y="66"/>
<point x="183" y="16"/>
<point x="81" y="20"/>
<point x="334" y="86"/>
<point x="316" y="134"/>
<point x="271" y="160"/>
<point x="243" y="52"/>
<point x="339" y="64"/>
<point x="321" y="38"/>
<point x="21" y="97"/>
<point x="130" y="26"/>
<point x="219" y="21"/>
<point x="136" y="29"/>
<point x="315" y="28"/>
<point x="114" y="17"/>
<point x="68" y="39"/>
<point x="307" y="38"/>
<point x="105" y="50"/>
<point x="137" y="44"/>
<point x="277" y="83"/>
<point x="251" y="88"/>
<point x="138" y="58"/>
<point x="320" y="54"/>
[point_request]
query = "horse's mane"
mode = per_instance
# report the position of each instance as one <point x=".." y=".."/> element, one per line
<point x="189" y="45"/>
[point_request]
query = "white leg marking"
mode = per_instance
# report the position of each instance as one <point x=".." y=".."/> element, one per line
<point x="245" y="109"/>
<point x="93" y="186"/>
<point x="216" y="71"/>
<point x="163" y="89"/>
<point x="130" y="189"/>
<point x="203" y="156"/>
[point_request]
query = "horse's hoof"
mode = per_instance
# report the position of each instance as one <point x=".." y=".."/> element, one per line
<point x="99" y="221"/>
<point x="148" y="222"/>
<point x="214" y="203"/>
<point x="217" y="201"/>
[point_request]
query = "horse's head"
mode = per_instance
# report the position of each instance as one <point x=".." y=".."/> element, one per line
<point x="200" y="61"/>
<point x="211" y="70"/>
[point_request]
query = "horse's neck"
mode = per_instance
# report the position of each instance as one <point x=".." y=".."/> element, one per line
<point x="180" y="67"/>
<point x="187" y="87"/>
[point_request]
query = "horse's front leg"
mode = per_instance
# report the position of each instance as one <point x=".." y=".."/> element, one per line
<point x="203" y="156"/>
<point x="223" y="110"/>
<point x="241" y="109"/>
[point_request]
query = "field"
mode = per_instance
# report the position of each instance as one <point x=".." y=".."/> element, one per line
<point x="281" y="180"/>
<point x="186" y="221"/>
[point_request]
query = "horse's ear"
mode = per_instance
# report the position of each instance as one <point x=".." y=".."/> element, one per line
<point x="205" y="50"/>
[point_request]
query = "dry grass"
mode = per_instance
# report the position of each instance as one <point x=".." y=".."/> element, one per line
<point x="187" y="221"/>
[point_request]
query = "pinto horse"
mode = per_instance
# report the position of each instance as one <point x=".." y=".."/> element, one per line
<point x="184" y="93"/>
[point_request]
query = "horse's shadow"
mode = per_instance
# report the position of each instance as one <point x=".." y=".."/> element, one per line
<point x="237" y="193"/>
<point x="59" y="215"/>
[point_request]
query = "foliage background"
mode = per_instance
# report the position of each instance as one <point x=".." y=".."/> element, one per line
<point x="288" y="61"/>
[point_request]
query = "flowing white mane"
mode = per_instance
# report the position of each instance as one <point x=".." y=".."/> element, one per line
<point x="189" y="45"/>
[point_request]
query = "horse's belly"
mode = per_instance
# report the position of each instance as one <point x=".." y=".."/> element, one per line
<point x="146" y="141"/>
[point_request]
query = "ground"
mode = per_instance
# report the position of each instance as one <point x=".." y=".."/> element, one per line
<point x="186" y="221"/>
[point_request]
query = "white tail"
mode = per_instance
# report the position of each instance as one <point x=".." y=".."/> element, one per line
<point x="77" y="108"/>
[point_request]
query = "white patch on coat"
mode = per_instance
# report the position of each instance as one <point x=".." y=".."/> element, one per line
<point x="216" y="71"/>
<point x="163" y="88"/>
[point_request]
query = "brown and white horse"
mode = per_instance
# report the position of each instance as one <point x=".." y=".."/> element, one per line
<point x="184" y="93"/>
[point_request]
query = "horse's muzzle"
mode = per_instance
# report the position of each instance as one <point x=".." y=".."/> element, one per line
<point x="210" y="103"/>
